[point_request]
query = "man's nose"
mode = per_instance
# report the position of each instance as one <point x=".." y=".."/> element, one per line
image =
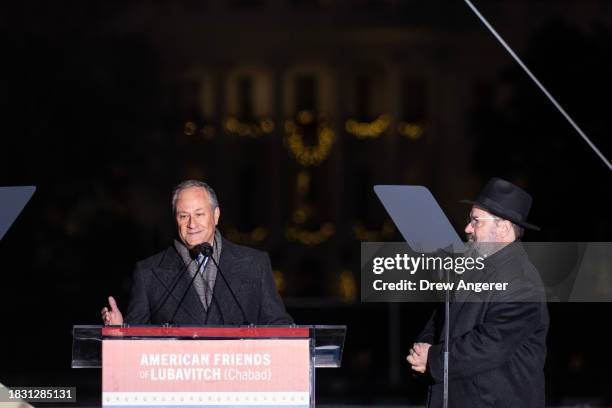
<point x="468" y="228"/>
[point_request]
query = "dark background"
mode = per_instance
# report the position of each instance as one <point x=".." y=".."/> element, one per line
<point x="105" y="107"/>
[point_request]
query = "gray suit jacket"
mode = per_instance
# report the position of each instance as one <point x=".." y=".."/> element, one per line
<point x="248" y="271"/>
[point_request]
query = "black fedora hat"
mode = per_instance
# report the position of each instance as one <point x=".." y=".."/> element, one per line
<point x="507" y="201"/>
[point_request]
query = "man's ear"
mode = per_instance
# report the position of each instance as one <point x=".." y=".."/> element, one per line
<point x="217" y="214"/>
<point x="506" y="228"/>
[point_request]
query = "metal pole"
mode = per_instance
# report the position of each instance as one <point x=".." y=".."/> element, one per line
<point x="446" y="338"/>
<point x="537" y="82"/>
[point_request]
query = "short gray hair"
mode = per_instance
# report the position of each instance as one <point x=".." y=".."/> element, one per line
<point x="214" y="203"/>
<point x="518" y="230"/>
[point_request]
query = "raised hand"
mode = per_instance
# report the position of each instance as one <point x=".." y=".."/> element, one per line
<point x="113" y="315"/>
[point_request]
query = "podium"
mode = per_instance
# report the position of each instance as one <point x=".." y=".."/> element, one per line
<point x="223" y="366"/>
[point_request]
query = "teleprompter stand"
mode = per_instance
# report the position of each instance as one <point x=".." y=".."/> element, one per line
<point x="422" y="223"/>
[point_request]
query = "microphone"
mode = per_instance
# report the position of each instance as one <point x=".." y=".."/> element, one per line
<point x="177" y="279"/>
<point x="204" y="249"/>
<point x="245" y="321"/>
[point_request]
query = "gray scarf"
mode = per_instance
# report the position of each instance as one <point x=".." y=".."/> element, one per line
<point x="204" y="284"/>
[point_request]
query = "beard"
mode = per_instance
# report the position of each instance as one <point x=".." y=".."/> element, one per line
<point x="483" y="248"/>
<point x="473" y="250"/>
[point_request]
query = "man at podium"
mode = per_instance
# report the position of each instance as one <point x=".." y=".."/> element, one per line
<point x="497" y="345"/>
<point x="202" y="278"/>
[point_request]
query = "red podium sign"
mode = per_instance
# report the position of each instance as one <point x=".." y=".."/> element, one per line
<point x="253" y="372"/>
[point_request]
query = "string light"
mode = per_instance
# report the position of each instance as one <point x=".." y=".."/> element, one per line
<point x="255" y="236"/>
<point x="294" y="140"/>
<point x="279" y="280"/>
<point x="303" y="183"/>
<point x="190" y="128"/>
<point x="207" y="131"/>
<point x="301" y="214"/>
<point x="368" y="130"/>
<point x="347" y="286"/>
<point x="305" y="117"/>
<point x="310" y="238"/>
<point x="411" y="130"/>
<point x="365" y="235"/>
<point x="249" y="129"/>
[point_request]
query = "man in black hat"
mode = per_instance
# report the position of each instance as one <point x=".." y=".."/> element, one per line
<point x="497" y="345"/>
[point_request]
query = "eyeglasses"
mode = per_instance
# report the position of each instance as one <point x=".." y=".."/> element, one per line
<point x="475" y="221"/>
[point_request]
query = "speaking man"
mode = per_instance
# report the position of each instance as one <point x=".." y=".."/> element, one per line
<point x="201" y="278"/>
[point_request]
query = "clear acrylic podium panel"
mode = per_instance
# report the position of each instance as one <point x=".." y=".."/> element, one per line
<point x="87" y="340"/>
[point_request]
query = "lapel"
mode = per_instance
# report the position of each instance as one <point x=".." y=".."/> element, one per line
<point x="459" y="312"/>
<point x="170" y="269"/>
<point x="462" y="296"/>
<point x="461" y="305"/>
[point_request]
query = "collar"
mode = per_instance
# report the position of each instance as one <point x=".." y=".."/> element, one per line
<point x="507" y="253"/>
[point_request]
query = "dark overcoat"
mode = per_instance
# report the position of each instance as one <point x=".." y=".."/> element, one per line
<point x="247" y="270"/>
<point x="497" y="339"/>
